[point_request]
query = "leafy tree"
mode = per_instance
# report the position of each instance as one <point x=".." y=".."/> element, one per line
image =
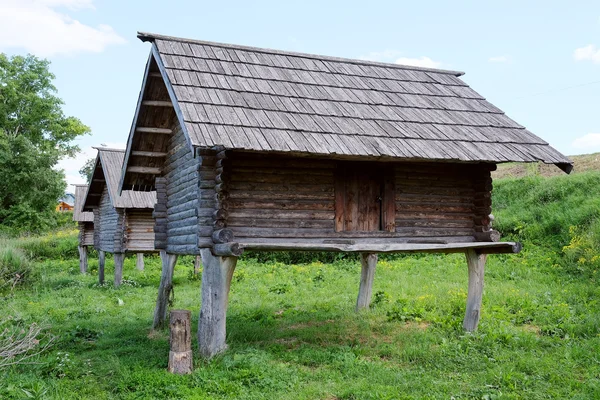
<point x="34" y="135"/>
<point x="88" y="169"/>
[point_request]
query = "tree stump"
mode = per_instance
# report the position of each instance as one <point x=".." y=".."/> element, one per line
<point x="368" y="263"/>
<point x="101" y="262"/>
<point x="139" y="264"/>
<point x="180" y="355"/>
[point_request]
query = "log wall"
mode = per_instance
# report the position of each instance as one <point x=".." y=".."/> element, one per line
<point x="283" y="199"/>
<point x="86" y="233"/>
<point x="106" y="220"/>
<point x="181" y="188"/>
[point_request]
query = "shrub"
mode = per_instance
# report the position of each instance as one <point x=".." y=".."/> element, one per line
<point x="58" y="245"/>
<point x="15" y="268"/>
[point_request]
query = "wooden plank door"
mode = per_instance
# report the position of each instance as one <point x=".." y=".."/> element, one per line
<point x="362" y="198"/>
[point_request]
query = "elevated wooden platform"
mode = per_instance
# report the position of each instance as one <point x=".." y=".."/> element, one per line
<point x="480" y="247"/>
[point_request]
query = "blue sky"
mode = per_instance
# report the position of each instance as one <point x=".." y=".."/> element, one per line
<point x="539" y="61"/>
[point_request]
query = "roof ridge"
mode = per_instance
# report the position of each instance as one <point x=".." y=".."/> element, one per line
<point x="100" y="148"/>
<point x="150" y="37"/>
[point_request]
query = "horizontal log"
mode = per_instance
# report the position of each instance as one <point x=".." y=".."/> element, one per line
<point x="284" y="162"/>
<point x="144" y="170"/>
<point x="489" y="236"/>
<point x="204" y="242"/>
<point x="182" y="249"/>
<point x="279" y="170"/>
<point x="433" y="207"/>
<point x="182" y="240"/>
<point x="483" y="248"/>
<point x="464" y="184"/>
<point x="432" y="216"/>
<point x="271" y="178"/>
<point x="280" y="223"/>
<point x="281" y="195"/>
<point x="187" y="230"/>
<point x="281" y="205"/>
<point x="164" y="131"/>
<point x="157" y="103"/>
<point x="281" y="187"/>
<point x="437" y="232"/>
<point x="153" y="154"/>
<point x="466" y="223"/>
<point x="227" y="250"/>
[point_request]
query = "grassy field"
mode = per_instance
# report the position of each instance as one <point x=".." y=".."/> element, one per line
<point x="581" y="163"/>
<point x="293" y="333"/>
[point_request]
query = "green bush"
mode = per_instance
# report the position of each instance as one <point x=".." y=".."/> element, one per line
<point x="15" y="268"/>
<point x="59" y="245"/>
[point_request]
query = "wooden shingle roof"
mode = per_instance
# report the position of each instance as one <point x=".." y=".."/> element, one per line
<point x="107" y="171"/>
<point x="256" y="99"/>
<point x="78" y="214"/>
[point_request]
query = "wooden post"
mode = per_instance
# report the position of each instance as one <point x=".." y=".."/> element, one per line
<point x="197" y="264"/>
<point x="119" y="259"/>
<point x="83" y="259"/>
<point x="216" y="281"/>
<point x="476" y="264"/>
<point x="139" y="264"/>
<point x="164" y="289"/>
<point x="180" y="356"/>
<point x="101" y="261"/>
<point x="368" y="263"/>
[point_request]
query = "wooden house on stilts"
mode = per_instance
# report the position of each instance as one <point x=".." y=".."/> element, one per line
<point x="85" y="223"/>
<point x="123" y="222"/>
<point x="267" y="150"/>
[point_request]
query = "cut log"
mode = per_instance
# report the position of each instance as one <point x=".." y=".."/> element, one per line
<point x="118" y="258"/>
<point x="83" y="259"/>
<point x="164" y="289"/>
<point x="101" y="262"/>
<point x="231" y="249"/>
<point x="139" y="263"/>
<point x="368" y="263"/>
<point x="216" y="281"/>
<point x="222" y="236"/>
<point x="180" y="355"/>
<point x="476" y="265"/>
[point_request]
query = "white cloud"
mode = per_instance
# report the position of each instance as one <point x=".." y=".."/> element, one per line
<point x="589" y="142"/>
<point x="71" y="166"/>
<point x="418" y="62"/>
<point x="39" y="28"/>
<point x="587" y="53"/>
<point x="499" y="59"/>
<point x="394" y="56"/>
<point x="383" y="56"/>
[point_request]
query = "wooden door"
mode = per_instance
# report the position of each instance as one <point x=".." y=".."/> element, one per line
<point x="362" y="198"/>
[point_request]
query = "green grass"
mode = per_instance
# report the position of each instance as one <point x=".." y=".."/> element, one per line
<point x="293" y="333"/>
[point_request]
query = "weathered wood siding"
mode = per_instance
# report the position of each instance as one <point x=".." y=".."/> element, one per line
<point x="274" y="197"/>
<point x="86" y="233"/>
<point x="283" y="199"/>
<point x="106" y="220"/>
<point x="139" y="230"/>
<point x="160" y="214"/>
<point x="181" y="177"/>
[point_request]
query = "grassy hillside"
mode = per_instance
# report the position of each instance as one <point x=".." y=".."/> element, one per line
<point x="293" y="333"/>
<point x="581" y="163"/>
